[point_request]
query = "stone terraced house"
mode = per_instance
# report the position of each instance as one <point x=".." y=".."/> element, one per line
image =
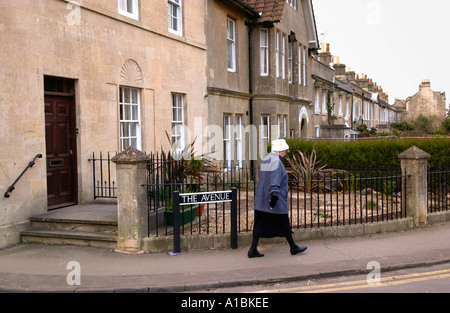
<point x="86" y="76"/>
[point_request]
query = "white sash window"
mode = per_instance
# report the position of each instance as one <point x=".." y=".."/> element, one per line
<point x="129" y="8"/>
<point x="175" y="17"/>
<point x="130" y="123"/>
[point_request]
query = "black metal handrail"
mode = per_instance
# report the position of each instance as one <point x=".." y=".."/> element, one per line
<point x="30" y="165"/>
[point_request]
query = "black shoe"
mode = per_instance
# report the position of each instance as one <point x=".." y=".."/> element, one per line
<point x="254" y="254"/>
<point x="297" y="250"/>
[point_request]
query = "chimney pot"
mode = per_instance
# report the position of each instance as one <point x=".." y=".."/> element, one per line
<point x="426" y="83"/>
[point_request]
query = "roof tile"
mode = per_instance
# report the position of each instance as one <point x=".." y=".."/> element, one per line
<point x="271" y="10"/>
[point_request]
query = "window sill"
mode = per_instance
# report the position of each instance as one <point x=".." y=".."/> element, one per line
<point x="129" y="15"/>
<point x="176" y="33"/>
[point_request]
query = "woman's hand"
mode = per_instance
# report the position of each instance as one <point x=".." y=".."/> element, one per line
<point x="273" y="201"/>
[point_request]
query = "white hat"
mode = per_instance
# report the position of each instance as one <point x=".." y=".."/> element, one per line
<point x="279" y="145"/>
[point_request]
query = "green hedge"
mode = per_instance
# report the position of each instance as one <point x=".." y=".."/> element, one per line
<point x="372" y="153"/>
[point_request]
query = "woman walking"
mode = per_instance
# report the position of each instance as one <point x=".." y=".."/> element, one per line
<point x="271" y="201"/>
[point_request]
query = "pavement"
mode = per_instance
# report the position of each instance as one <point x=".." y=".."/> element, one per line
<point x="39" y="268"/>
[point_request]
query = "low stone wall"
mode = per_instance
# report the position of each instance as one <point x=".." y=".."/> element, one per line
<point x="438" y="217"/>
<point x="222" y="241"/>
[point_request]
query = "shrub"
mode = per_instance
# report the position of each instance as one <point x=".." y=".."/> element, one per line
<point x="371" y="153"/>
<point x="402" y="126"/>
<point x="423" y="123"/>
<point x="364" y="131"/>
<point x="446" y="125"/>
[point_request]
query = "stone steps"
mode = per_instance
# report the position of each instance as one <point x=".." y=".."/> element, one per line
<point x="65" y="237"/>
<point x="74" y="225"/>
<point x="88" y="225"/>
<point x="85" y="227"/>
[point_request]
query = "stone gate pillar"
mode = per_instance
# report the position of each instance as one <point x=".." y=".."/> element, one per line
<point x="414" y="163"/>
<point x="131" y="199"/>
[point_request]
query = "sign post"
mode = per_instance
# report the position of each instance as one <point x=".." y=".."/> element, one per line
<point x="176" y="222"/>
<point x="234" y="219"/>
<point x="203" y="198"/>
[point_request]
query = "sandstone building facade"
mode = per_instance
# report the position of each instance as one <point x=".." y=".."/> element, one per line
<point x="426" y="102"/>
<point x="87" y="76"/>
<point x="91" y="75"/>
<point x="259" y="65"/>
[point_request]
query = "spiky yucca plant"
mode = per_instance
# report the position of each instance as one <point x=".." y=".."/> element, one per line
<point x="308" y="173"/>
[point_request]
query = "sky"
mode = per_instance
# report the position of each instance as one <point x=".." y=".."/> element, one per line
<point x="397" y="43"/>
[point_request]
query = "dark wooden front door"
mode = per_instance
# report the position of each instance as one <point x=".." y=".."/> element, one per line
<point x="61" y="151"/>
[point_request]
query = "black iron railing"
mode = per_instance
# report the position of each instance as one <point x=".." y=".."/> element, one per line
<point x="338" y="198"/>
<point x="438" y="195"/>
<point x="166" y="175"/>
<point x="103" y="177"/>
<point x="347" y="197"/>
<point x="30" y="165"/>
<point x="344" y="197"/>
